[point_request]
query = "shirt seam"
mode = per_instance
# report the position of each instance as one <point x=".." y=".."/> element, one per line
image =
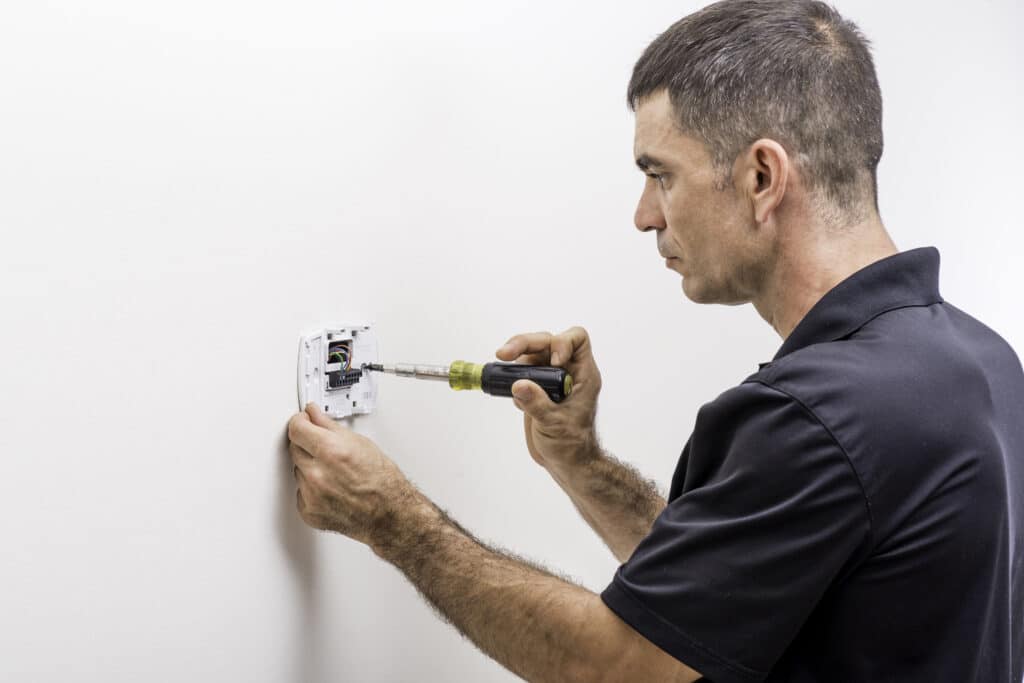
<point x="738" y="668"/>
<point x="842" y="449"/>
<point x="916" y="302"/>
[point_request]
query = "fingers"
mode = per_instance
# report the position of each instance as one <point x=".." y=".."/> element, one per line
<point x="300" y="459"/>
<point x="544" y="348"/>
<point x="573" y="344"/>
<point x="318" y="436"/>
<point x="537" y="344"/>
<point x="532" y="399"/>
<point x="313" y="431"/>
<point x="300" y="456"/>
<point x="534" y="359"/>
<point x="321" y="419"/>
<point x="304" y="433"/>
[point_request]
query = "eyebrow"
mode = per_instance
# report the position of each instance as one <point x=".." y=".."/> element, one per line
<point x="646" y="162"/>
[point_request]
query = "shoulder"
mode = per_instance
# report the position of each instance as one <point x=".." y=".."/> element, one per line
<point x="901" y="407"/>
<point x="762" y="431"/>
<point x="866" y="379"/>
<point x="890" y="369"/>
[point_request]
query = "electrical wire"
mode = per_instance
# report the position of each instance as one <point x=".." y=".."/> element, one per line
<point x="344" y="351"/>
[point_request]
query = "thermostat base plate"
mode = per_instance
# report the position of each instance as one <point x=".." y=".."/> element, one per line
<point x="329" y="366"/>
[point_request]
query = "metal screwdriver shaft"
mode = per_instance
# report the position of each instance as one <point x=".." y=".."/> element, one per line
<point x="436" y="372"/>
<point x="491" y="378"/>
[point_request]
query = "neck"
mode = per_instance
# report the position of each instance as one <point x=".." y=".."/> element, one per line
<point x="807" y="267"/>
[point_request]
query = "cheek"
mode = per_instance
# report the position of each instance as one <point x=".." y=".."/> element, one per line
<point x="689" y="230"/>
<point x="680" y="220"/>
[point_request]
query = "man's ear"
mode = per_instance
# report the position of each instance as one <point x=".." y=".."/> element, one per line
<point x="764" y="174"/>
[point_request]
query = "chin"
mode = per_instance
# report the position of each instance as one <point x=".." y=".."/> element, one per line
<point x="706" y="295"/>
<point x="694" y="293"/>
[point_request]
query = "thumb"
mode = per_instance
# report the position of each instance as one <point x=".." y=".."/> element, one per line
<point x="531" y="399"/>
<point x="321" y="419"/>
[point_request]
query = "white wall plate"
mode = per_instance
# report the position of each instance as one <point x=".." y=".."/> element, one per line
<point x="329" y="369"/>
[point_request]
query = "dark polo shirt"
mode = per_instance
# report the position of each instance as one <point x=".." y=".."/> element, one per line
<point x="853" y="511"/>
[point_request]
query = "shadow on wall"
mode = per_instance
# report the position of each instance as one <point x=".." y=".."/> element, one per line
<point x="300" y="544"/>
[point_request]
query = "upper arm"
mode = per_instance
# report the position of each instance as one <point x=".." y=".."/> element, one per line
<point x="628" y="656"/>
<point x="770" y="513"/>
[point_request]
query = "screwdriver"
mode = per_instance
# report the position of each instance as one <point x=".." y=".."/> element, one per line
<point x="495" y="379"/>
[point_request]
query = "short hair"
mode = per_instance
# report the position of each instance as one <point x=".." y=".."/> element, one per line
<point x="794" y="71"/>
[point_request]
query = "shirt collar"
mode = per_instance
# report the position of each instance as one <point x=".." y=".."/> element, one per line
<point x="909" y="278"/>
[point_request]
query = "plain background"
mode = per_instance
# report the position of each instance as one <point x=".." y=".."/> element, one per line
<point x="187" y="186"/>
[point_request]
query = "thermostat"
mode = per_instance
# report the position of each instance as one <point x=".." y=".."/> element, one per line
<point x="330" y="370"/>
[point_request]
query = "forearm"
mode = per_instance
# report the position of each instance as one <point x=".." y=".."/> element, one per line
<point x="614" y="499"/>
<point x="529" y="620"/>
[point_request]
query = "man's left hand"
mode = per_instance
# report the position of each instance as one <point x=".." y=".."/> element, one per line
<point x="346" y="483"/>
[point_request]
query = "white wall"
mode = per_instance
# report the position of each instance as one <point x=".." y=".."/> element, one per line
<point x="186" y="186"/>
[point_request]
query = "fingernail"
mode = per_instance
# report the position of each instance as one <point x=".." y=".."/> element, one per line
<point x="506" y="347"/>
<point x="521" y="393"/>
<point x="554" y="358"/>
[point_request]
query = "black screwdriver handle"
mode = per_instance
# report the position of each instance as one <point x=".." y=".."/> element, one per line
<point x="497" y="379"/>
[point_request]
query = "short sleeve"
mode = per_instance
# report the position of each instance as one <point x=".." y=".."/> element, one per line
<point x="769" y="512"/>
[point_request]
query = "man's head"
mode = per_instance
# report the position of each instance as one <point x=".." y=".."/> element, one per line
<point x="766" y="118"/>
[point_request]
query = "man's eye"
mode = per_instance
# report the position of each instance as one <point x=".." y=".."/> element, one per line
<point x="656" y="176"/>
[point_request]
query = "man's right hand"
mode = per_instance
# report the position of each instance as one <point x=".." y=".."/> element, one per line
<point x="558" y="435"/>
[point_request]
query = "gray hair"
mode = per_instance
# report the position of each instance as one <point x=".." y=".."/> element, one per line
<point x="794" y="71"/>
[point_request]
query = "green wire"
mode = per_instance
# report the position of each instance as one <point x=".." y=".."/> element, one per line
<point x="342" y="358"/>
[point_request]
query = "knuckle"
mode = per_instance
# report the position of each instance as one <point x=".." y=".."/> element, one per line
<point x="570" y="339"/>
<point x="323" y="447"/>
<point x="314" y="476"/>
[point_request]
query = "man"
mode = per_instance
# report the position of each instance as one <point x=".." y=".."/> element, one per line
<point x="850" y="512"/>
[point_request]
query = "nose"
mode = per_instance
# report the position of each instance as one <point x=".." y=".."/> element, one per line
<point x="648" y="214"/>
